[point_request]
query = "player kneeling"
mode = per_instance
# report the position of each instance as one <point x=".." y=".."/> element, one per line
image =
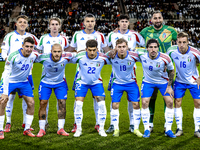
<point x="53" y="78"/>
<point x="154" y="63"/>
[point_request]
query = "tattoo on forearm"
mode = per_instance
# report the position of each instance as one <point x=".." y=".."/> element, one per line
<point x="62" y="109"/>
<point x="171" y="77"/>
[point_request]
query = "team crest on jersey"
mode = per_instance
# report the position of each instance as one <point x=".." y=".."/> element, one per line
<point x="189" y="59"/>
<point x="164" y="35"/>
<point x="129" y="63"/>
<point x="95" y="38"/>
<point x="31" y="60"/>
<point x="62" y="65"/>
<point x="98" y="64"/>
<point x="158" y="64"/>
<point x="129" y="38"/>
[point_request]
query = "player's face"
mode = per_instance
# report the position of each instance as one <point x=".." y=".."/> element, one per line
<point x="121" y="49"/>
<point x="153" y="50"/>
<point x="182" y="43"/>
<point x="56" y="52"/>
<point x="123" y="24"/>
<point x="21" y="24"/>
<point x="92" y="52"/>
<point x="54" y="26"/>
<point x="27" y="49"/>
<point x="157" y="20"/>
<point x="89" y="23"/>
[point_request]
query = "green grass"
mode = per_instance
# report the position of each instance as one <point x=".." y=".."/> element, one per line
<point x="90" y="138"/>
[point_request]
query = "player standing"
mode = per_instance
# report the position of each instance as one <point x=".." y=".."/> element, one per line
<point x="90" y="63"/>
<point x="124" y="80"/>
<point x="48" y="40"/>
<point x="164" y="34"/>
<point x="17" y="69"/>
<point x="79" y="43"/>
<point x="12" y="42"/>
<point x="133" y="38"/>
<point x="187" y="77"/>
<point x="52" y="78"/>
<point x="153" y="64"/>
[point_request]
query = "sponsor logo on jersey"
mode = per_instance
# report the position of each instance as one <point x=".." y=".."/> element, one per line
<point x="145" y="61"/>
<point x="16" y="40"/>
<point x="189" y="59"/>
<point x="82" y="38"/>
<point x="98" y="64"/>
<point x="116" y="62"/>
<point x="116" y="38"/>
<point x="49" y="66"/>
<point x="158" y="64"/>
<point x="48" y="42"/>
<point x="114" y="119"/>
<point x="19" y="62"/>
<point x="85" y="64"/>
<point x="176" y="58"/>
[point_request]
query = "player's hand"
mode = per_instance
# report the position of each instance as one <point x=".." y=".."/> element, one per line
<point x="112" y="53"/>
<point x="197" y="81"/>
<point x="3" y="98"/>
<point x="116" y="30"/>
<point x="170" y="91"/>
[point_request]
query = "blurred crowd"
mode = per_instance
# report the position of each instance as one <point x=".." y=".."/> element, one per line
<point x="106" y="12"/>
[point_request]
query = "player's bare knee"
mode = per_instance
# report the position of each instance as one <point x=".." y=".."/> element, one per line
<point x="43" y="103"/>
<point x="197" y="103"/>
<point x="115" y="105"/>
<point x="144" y="104"/>
<point x="100" y="98"/>
<point x="136" y="105"/>
<point x="177" y="103"/>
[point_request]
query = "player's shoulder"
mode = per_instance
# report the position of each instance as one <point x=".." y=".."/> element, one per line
<point x="172" y="48"/>
<point x="102" y="55"/>
<point x="141" y="51"/>
<point x="147" y="28"/>
<point x="45" y="35"/>
<point x="81" y="54"/>
<point x="165" y="57"/>
<point x="135" y="54"/>
<point x="9" y="35"/>
<point x="194" y="50"/>
<point x="13" y="55"/>
<point x="169" y="28"/>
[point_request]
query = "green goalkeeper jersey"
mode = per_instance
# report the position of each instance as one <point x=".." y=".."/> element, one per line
<point x="164" y="36"/>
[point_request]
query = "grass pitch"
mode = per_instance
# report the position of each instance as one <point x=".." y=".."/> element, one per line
<point x="90" y="138"/>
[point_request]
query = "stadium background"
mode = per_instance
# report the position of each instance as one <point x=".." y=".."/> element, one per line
<point x="183" y="15"/>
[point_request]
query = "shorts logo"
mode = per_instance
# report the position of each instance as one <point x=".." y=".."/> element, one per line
<point x="65" y="96"/>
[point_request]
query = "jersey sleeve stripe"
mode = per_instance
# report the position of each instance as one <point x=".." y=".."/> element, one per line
<point x="65" y="41"/>
<point x="164" y="61"/>
<point x="165" y="57"/>
<point x="34" y="40"/>
<point x="194" y="50"/>
<point x="137" y="38"/>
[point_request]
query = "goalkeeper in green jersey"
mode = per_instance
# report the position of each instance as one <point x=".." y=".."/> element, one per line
<point x="165" y="35"/>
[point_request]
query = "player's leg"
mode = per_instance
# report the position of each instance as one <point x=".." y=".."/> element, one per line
<point x="98" y="91"/>
<point x="9" y="108"/>
<point x="111" y="127"/>
<point x="95" y="105"/>
<point x="60" y="91"/>
<point x="147" y="90"/>
<point x="116" y="94"/>
<point x="195" y="92"/>
<point x="44" y="92"/>
<point x="179" y="92"/>
<point x="80" y="93"/>
<point x="152" y="108"/>
<point x="169" y="111"/>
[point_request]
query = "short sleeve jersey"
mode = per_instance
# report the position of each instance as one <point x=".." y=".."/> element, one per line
<point x="186" y="69"/>
<point x="123" y="68"/>
<point x="90" y="69"/>
<point x="13" y="41"/>
<point x="17" y="68"/>
<point x="153" y="70"/>
<point x="130" y="36"/>
<point x="47" y="41"/>
<point x="53" y="72"/>
<point x="164" y="36"/>
<point x="81" y="37"/>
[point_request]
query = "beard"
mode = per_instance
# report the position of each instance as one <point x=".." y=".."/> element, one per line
<point x="158" y="25"/>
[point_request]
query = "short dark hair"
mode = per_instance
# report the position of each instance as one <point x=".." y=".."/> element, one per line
<point x="123" y="17"/>
<point x="150" y="41"/>
<point x="91" y="43"/>
<point x="156" y="12"/>
<point x="89" y="15"/>
<point x="29" y="39"/>
<point x="182" y="35"/>
<point x="22" y="16"/>
<point x="120" y="41"/>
